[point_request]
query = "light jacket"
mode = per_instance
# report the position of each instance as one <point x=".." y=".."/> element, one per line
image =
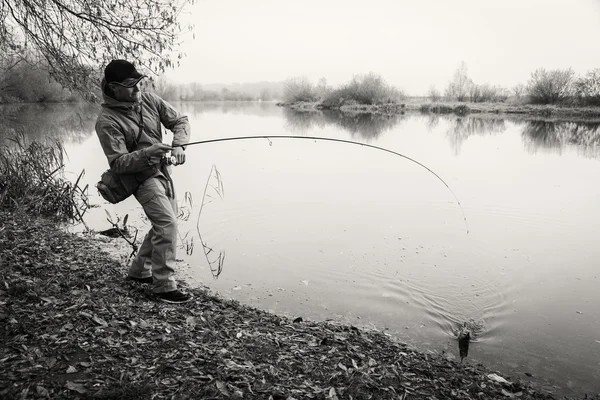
<point x="118" y="125"/>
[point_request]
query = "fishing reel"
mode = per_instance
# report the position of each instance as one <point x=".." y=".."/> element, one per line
<point x="169" y="160"/>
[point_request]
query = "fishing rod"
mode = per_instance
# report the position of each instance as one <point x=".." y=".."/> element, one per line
<point x="268" y="137"/>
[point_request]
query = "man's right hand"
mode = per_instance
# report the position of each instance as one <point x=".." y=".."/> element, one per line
<point x="157" y="150"/>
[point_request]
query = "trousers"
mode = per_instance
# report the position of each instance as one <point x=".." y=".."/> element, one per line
<point x="156" y="256"/>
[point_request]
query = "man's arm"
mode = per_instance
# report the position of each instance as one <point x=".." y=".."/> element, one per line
<point x="174" y="121"/>
<point x="115" y="149"/>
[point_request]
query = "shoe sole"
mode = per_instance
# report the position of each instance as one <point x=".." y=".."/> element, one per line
<point x="175" y="302"/>
<point x="138" y="281"/>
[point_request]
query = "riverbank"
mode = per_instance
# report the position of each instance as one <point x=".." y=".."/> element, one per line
<point x="545" y="111"/>
<point x="72" y="327"/>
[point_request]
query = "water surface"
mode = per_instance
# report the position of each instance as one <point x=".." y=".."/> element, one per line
<point x="325" y="230"/>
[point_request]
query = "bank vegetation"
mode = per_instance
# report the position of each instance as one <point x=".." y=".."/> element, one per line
<point x="547" y="93"/>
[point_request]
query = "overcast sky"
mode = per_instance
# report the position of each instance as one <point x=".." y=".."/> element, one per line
<point x="412" y="44"/>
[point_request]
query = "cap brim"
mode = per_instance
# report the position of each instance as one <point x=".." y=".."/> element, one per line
<point x="130" y="82"/>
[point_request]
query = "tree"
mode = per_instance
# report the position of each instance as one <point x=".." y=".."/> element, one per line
<point x="519" y="91"/>
<point x="76" y="38"/>
<point x="587" y="88"/>
<point x="298" y="89"/>
<point x="550" y="86"/>
<point x="322" y="89"/>
<point x="460" y="85"/>
<point x="434" y="94"/>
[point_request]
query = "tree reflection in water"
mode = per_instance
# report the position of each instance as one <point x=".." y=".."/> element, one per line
<point x="460" y="128"/>
<point x="359" y="125"/>
<point x="558" y="134"/>
<point x="72" y="122"/>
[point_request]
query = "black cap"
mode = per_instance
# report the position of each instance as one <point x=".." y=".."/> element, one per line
<point x="118" y="71"/>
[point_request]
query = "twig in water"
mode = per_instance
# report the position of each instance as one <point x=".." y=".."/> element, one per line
<point x="186" y="244"/>
<point x="121" y="232"/>
<point x="185" y="210"/>
<point x="216" y="265"/>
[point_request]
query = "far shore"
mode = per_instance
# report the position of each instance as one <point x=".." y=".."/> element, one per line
<point x="458" y="108"/>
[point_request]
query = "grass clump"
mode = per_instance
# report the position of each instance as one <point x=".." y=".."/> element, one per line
<point x="31" y="181"/>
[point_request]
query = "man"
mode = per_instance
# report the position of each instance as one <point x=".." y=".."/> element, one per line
<point x="130" y="132"/>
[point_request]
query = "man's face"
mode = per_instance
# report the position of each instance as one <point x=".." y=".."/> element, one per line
<point x="124" y="93"/>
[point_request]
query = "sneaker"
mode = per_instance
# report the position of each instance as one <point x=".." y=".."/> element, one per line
<point x="140" y="280"/>
<point x="174" y="296"/>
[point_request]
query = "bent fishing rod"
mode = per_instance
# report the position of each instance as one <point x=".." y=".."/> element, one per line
<point x="268" y="137"/>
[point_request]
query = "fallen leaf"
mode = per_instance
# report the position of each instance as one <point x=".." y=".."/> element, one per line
<point x="222" y="388"/>
<point x="78" y="387"/>
<point x="42" y="391"/>
<point x="498" y="378"/>
<point x="100" y="321"/>
<point x="332" y="394"/>
<point x="71" y="369"/>
<point x="239" y="335"/>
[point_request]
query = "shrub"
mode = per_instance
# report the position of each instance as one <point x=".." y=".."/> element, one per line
<point x="30" y="181"/>
<point x="434" y="94"/>
<point x="364" y="89"/>
<point x="587" y="88"/>
<point x="461" y="109"/>
<point x="298" y="89"/>
<point x="548" y="87"/>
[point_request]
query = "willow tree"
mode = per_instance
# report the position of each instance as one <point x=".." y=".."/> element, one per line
<point x="76" y="38"/>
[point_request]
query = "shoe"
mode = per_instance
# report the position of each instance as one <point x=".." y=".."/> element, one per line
<point x="147" y="280"/>
<point x="174" y="296"/>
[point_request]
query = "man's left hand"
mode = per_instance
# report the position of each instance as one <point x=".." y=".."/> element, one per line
<point x="179" y="155"/>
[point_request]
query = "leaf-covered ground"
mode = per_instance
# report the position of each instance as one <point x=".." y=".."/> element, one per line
<point x="72" y="327"/>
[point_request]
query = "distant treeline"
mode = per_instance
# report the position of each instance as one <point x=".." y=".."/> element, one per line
<point x="26" y="79"/>
<point x="559" y="86"/>
<point x="544" y="87"/>
<point x="264" y="91"/>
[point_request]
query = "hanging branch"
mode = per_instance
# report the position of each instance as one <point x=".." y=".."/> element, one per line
<point x="77" y="37"/>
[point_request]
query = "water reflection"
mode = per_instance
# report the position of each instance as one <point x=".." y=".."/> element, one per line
<point x="461" y="128"/>
<point x="63" y="122"/>
<point x="259" y="109"/>
<point x="361" y="125"/>
<point x="557" y="135"/>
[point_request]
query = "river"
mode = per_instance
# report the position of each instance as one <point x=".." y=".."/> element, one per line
<point x="327" y="230"/>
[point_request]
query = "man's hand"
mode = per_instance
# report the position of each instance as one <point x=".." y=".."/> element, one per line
<point x="155" y="152"/>
<point x="179" y="155"/>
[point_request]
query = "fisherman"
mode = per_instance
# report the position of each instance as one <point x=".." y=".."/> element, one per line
<point x="130" y="132"/>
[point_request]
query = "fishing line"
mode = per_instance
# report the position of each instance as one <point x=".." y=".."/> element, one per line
<point x="331" y="140"/>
